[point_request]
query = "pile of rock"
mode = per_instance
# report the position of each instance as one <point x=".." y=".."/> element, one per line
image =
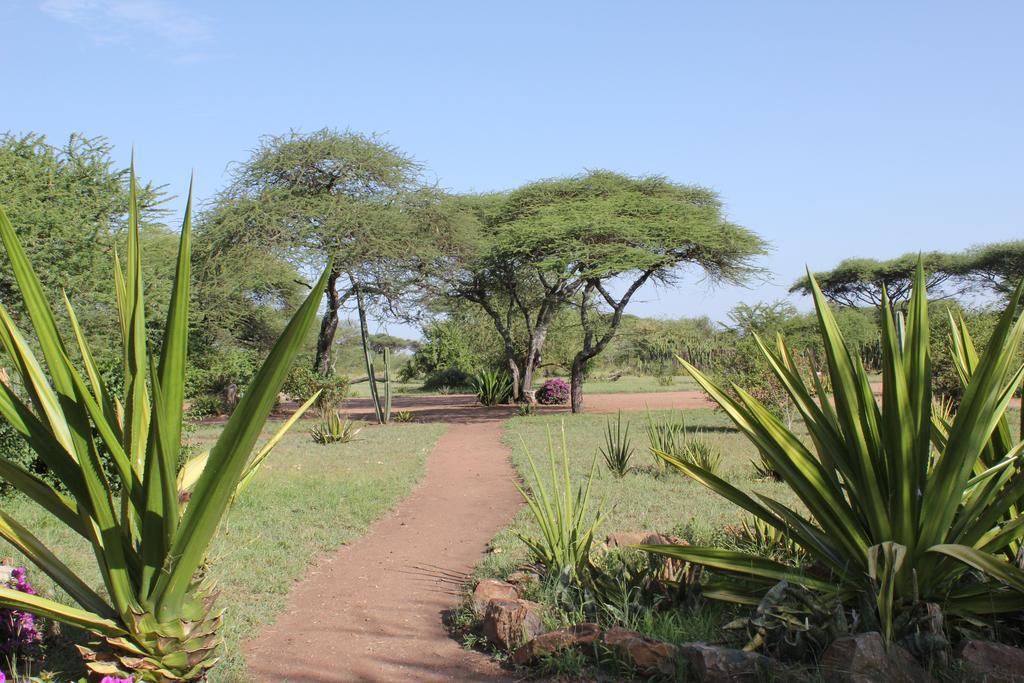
<point x="710" y="663"/>
<point x="514" y="624"/>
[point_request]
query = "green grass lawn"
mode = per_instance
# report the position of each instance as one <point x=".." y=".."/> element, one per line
<point x="308" y="500"/>
<point x="362" y="389"/>
<point x="639" y="501"/>
<point x="639" y="384"/>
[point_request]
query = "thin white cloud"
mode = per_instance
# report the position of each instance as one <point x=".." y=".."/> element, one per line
<point x="132" y="21"/>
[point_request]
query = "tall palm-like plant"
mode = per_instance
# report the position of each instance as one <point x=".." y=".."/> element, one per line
<point x="153" y="618"/>
<point x="887" y="488"/>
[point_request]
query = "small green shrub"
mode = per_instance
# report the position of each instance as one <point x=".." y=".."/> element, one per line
<point x="205" y="405"/>
<point x="526" y="410"/>
<point x="333" y="392"/>
<point x="213" y="373"/>
<point x="335" y="429"/>
<point x="492" y="387"/>
<point x="449" y="377"/>
<point x="16" y="449"/>
<point x="618" y="449"/>
<point x="302" y="382"/>
<point x="402" y="416"/>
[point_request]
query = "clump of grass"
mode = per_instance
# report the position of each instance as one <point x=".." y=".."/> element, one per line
<point x="402" y="416"/>
<point x="526" y="410"/>
<point x="700" y="452"/>
<point x="669" y="436"/>
<point x="665" y="436"/>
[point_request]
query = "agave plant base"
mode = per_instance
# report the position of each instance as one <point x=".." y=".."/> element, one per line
<point x="176" y="651"/>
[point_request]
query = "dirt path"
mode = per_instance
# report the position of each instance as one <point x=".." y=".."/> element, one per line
<point x="374" y="611"/>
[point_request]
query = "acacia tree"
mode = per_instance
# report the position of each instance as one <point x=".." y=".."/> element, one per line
<point x="593" y="240"/>
<point x="860" y="281"/>
<point x="339" y="195"/>
<point x="70" y="203"/>
<point x="998" y="267"/>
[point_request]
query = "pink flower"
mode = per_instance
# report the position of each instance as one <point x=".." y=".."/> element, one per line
<point x="110" y="679"/>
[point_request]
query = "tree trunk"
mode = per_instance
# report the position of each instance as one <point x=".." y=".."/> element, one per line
<point x="328" y="327"/>
<point x="576" y="383"/>
<point x="531" y="363"/>
<point x="513" y="371"/>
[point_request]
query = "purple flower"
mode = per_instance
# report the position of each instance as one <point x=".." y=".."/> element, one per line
<point x="18" y="632"/>
<point x="553" y="392"/>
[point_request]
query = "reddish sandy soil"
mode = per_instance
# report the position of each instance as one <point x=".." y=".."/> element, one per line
<point x="374" y="611"/>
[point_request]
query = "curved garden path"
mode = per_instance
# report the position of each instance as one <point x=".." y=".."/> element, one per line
<point x="374" y="611"/>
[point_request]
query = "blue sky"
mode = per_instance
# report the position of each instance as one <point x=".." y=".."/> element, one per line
<point x="832" y="129"/>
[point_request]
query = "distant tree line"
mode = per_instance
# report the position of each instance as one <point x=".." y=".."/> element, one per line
<point x="535" y="281"/>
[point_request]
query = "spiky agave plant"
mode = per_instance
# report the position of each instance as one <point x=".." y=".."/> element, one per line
<point x="492" y="387"/>
<point x="153" y="618"/>
<point x="335" y="429"/>
<point x="890" y="491"/>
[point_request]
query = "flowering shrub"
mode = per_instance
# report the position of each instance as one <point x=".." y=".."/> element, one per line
<point x="553" y="392"/>
<point x="18" y="633"/>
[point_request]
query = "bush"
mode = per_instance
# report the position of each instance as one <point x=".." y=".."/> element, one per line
<point x="554" y="392"/>
<point x="453" y="378"/>
<point x="19" y="634"/>
<point x="16" y="449"/>
<point x="213" y="374"/>
<point x="205" y="405"/>
<point x="302" y="382"/>
<point x="333" y="391"/>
